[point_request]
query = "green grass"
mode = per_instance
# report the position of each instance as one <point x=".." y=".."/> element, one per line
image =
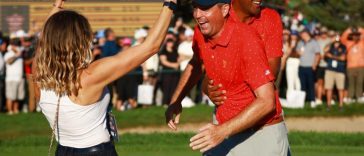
<point x="28" y="134"/>
<point x="160" y="144"/>
<point x="349" y="110"/>
<point x="35" y="123"/>
<point x="154" y="116"/>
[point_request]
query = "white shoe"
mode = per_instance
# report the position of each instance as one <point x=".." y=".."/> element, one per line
<point x="25" y="109"/>
<point x="313" y="104"/>
<point x="318" y="102"/>
<point x="348" y="100"/>
<point x="333" y="102"/>
<point x="361" y="100"/>
<point x="38" y="108"/>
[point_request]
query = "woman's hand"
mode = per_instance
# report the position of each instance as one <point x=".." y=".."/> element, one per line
<point x="57" y="6"/>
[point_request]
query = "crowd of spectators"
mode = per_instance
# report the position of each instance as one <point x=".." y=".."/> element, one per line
<point x="322" y="62"/>
<point x="318" y="61"/>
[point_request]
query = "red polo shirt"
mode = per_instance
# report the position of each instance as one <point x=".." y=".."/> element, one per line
<point x="237" y="60"/>
<point x="269" y="26"/>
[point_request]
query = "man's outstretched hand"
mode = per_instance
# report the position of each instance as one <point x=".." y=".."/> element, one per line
<point x="173" y="114"/>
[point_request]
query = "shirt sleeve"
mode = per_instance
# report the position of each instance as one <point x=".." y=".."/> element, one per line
<point x="7" y="56"/>
<point x="256" y="71"/>
<point x="317" y="48"/>
<point x="299" y="46"/>
<point x="273" y="35"/>
<point x="195" y="44"/>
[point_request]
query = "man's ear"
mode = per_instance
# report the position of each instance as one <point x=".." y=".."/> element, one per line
<point x="225" y="9"/>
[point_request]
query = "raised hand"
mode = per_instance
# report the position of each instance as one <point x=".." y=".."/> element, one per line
<point x="59" y="3"/>
<point x="57" y="6"/>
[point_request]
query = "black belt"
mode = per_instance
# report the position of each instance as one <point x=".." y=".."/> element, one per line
<point x="96" y="148"/>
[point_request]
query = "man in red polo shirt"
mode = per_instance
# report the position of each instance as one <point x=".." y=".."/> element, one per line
<point x="233" y="55"/>
<point x="268" y="24"/>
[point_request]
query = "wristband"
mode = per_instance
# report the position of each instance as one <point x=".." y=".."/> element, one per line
<point x="171" y="5"/>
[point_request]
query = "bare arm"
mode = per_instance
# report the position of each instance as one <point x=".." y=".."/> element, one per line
<point x="275" y="65"/>
<point x="263" y="105"/>
<point x="190" y="77"/>
<point x="12" y="59"/>
<point x="211" y="135"/>
<point x="104" y="71"/>
<point x="218" y="97"/>
<point x="317" y="61"/>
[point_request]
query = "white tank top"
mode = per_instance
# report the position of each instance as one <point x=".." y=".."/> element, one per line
<point x="79" y="126"/>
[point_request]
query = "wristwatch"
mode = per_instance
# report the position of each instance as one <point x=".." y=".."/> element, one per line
<point x="171" y="5"/>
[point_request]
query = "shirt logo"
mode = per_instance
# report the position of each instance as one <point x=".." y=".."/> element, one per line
<point x="267" y="72"/>
<point x="224" y="63"/>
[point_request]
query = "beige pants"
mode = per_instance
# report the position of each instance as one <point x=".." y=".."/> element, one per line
<point x="269" y="141"/>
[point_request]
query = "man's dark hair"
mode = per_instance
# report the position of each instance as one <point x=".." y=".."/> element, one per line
<point x="107" y="32"/>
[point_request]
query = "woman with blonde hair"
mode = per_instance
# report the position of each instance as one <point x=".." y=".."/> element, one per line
<point x="72" y="91"/>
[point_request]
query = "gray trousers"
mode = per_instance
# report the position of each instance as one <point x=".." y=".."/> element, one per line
<point x="269" y="141"/>
<point x="356" y="80"/>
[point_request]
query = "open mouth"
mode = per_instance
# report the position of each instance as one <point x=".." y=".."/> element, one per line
<point x="257" y="2"/>
<point x="203" y="24"/>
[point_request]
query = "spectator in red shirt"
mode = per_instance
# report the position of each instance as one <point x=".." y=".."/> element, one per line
<point x="233" y="55"/>
<point x="267" y="23"/>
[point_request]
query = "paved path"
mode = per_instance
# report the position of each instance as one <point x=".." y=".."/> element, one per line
<point x="318" y="124"/>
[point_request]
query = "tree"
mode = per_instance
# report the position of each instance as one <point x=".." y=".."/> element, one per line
<point x="335" y="14"/>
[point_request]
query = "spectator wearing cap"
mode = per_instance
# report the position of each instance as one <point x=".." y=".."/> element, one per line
<point x="353" y="39"/>
<point x="149" y="67"/>
<point x="233" y="55"/>
<point x="126" y="86"/>
<point x="14" y="82"/>
<point x="309" y="51"/>
<point x="185" y="53"/>
<point x="170" y="62"/>
<point x="335" y="72"/>
<point x="293" y="62"/>
<point x="323" y="40"/>
<point x="28" y="55"/>
<point x="185" y="49"/>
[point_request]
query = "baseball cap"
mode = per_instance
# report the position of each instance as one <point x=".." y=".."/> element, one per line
<point x="207" y="3"/>
<point x="140" y="33"/>
<point x="189" y="32"/>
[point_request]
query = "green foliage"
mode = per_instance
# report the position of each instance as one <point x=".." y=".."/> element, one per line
<point x="332" y="13"/>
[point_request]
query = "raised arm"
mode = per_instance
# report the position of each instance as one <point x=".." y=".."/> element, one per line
<point x="190" y="77"/>
<point x="104" y="71"/>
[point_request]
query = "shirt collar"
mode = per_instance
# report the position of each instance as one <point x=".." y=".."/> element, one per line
<point x="226" y="34"/>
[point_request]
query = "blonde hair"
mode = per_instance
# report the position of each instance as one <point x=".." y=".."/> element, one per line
<point x="64" y="49"/>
